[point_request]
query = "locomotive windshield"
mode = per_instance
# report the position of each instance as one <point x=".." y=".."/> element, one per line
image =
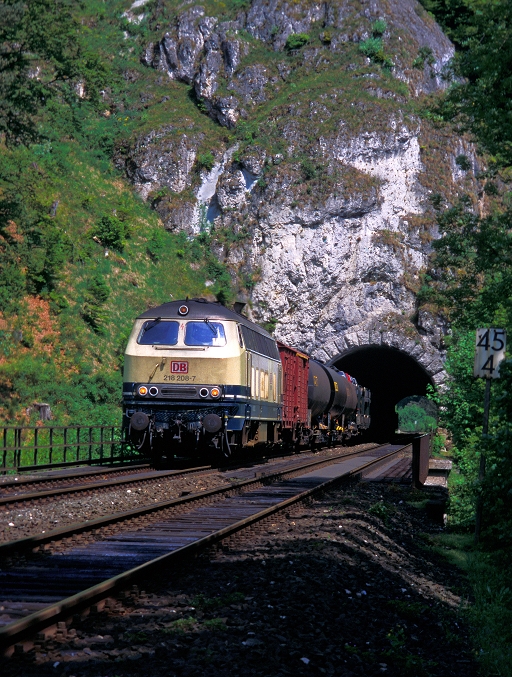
<point x="156" y="332"/>
<point x="205" y="333"/>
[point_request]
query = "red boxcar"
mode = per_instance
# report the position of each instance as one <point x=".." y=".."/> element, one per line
<point x="295" y="387"/>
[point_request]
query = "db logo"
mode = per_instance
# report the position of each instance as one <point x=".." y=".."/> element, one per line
<point x="179" y="367"/>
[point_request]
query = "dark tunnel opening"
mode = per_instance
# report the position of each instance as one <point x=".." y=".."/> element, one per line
<point x="391" y="375"/>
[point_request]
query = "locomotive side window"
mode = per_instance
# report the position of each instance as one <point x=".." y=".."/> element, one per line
<point x="259" y="343"/>
<point x="157" y="332"/>
<point x="205" y="333"/>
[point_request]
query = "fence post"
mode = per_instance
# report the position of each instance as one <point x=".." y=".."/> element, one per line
<point x="4" y="454"/>
<point x="112" y="447"/>
<point x="90" y="443"/>
<point x="78" y="444"/>
<point x="36" y="435"/>
<point x="101" y="443"/>
<point x="17" y="450"/>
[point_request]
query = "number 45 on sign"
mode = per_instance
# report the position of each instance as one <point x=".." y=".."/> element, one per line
<point x="490" y="351"/>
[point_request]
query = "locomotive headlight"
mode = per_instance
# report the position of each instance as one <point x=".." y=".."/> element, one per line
<point x="153" y="391"/>
<point x="142" y="390"/>
<point x="215" y="392"/>
<point x="204" y="392"/>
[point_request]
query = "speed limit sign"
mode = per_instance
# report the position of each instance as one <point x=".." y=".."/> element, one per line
<point x="490" y="351"/>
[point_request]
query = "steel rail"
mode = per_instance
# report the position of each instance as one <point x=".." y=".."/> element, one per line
<point x="154" y="475"/>
<point x="46" y="477"/>
<point x="32" y="542"/>
<point x="23" y="628"/>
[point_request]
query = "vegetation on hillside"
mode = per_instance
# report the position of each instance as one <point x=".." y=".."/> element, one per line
<point x="80" y="254"/>
<point x="471" y="283"/>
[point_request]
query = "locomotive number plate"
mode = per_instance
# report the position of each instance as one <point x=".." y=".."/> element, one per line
<point x="179" y="367"/>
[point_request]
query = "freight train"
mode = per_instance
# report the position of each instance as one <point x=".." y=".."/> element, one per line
<point x="201" y="379"/>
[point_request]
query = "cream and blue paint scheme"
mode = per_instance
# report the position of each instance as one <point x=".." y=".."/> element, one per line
<point x="200" y="375"/>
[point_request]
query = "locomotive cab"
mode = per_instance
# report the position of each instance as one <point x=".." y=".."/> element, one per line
<point x="198" y="377"/>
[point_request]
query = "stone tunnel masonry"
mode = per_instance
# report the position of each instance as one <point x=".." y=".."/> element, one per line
<point x="392" y="365"/>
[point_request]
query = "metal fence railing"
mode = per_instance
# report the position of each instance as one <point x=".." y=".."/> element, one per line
<point x="31" y="447"/>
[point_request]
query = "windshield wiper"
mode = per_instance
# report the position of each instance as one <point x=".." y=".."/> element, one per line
<point x="150" y="326"/>
<point x="210" y="326"/>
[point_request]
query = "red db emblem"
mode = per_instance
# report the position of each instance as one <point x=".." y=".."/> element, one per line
<point x="179" y="367"/>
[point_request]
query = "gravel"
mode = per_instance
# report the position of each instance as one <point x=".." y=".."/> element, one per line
<point x="39" y="518"/>
<point x="347" y="586"/>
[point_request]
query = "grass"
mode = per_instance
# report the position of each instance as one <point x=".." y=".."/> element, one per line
<point x="489" y="612"/>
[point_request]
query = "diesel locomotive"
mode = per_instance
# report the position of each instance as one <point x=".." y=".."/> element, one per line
<point x="201" y="379"/>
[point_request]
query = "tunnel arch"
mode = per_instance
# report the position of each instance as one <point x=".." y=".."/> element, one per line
<point x="391" y="374"/>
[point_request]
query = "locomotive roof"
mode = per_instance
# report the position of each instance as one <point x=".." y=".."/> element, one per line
<point x="198" y="310"/>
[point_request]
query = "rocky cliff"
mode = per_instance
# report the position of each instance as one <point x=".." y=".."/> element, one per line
<point x="326" y="173"/>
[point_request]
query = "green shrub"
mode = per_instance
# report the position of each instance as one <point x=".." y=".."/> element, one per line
<point x="111" y="232"/>
<point x="12" y="285"/>
<point x="205" y="161"/>
<point x="309" y="169"/>
<point x="379" y="28"/>
<point x="425" y="56"/>
<point x="463" y="162"/>
<point x="373" y="48"/>
<point x="296" y="41"/>
<point x="157" y="244"/>
<point x="96" y="296"/>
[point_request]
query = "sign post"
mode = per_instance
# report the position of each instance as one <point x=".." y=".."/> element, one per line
<point x="490" y="349"/>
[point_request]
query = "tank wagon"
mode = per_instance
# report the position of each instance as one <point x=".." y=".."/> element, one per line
<point x="201" y="379"/>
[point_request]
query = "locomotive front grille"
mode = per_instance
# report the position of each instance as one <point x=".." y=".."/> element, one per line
<point x="179" y="391"/>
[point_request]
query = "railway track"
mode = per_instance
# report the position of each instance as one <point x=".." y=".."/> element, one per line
<point x="48" y="588"/>
<point x="10" y="495"/>
<point x="48" y="479"/>
<point x="28" y="491"/>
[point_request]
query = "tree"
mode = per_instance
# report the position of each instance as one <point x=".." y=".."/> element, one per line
<point x="38" y="52"/>
<point x="481" y="96"/>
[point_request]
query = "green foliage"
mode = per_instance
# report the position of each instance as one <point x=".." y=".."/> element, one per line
<point x="271" y="325"/>
<point x="475" y="266"/>
<point x="205" y="161"/>
<point x="309" y="168"/>
<point x="463" y="162"/>
<point x="215" y="624"/>
<point x="181" y="626"/>
<point x="425" y="56"/>
<point x="40" y="34"/>
<point x="111" y="232"/>
<point x="490" y="613"/>
<point x="373" y="48"/>
<point x="96" y="296"/>
<point x="379" y="27"/>
<point x="413" y="418"/>
<point x="158" y="244"/>
<point x="456" y="17"/>
<point x="209" y="604"/>
<point x="296" y="41"/>
<point x="479" y="99"/>
<point x="380" y="510"/>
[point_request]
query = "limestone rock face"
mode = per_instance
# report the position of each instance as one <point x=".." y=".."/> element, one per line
<point x="327" y="168"/>
<point x="162" y="158"/>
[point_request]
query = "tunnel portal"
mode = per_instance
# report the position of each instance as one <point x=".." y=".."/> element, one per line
<point x="391" y="375"/>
